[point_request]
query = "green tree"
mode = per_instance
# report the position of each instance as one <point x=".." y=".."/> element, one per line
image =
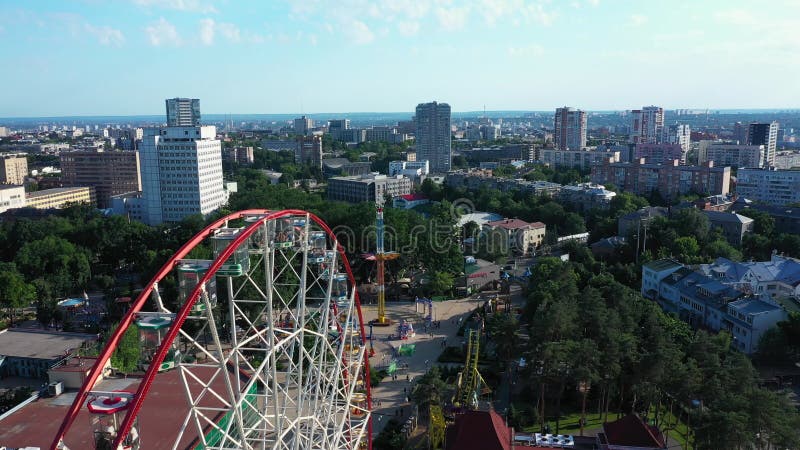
<point x="56" y="260"/>
<point x="440" y="283"/>
<point x="127" y="356"/>
<point x="14" y="291"/>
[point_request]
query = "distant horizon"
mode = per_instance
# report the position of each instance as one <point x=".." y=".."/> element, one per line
<point x="409" y="113"/>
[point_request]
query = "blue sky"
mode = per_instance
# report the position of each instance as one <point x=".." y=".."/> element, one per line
<point x="123" y="57"/>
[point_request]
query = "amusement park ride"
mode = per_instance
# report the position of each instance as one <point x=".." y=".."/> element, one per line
<point x="380" y="256"/>
<point x="470" y="380"/>
<point x="267" y="337"/>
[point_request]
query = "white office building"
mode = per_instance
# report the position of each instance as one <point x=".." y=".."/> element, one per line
<point x="11" y="197"/>
<point x="409" y="169"/>
<point x="770" y="186"/>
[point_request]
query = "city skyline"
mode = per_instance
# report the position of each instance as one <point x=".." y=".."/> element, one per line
<point x="80" y="60"/>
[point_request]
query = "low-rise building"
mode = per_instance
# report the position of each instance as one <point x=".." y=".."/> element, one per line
<point x="58" y="198"/>
<point x="586" y="196"/>
<point x="372" y="187"/>
<point x="11" y="197"/>
<point x="474" y="179"/>
<point x="409" y="201"/>
<point x="518" y="236"/>
<point x="30" y="354"/>
<point x="733" y="226"/>
<point x="630" y="433"/>
<point x="343" y="167"/>
<point x="409" y="169"/>
<point x="500" y="153"/>
<point x="716" y="297"/>
<point x="630" y="223"/>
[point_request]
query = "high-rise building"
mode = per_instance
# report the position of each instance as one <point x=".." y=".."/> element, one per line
<point x="338" y="124"/>
<point x="13" y="169"/>
<point x="765" y="134"/>
<point x="303" y="125"/>
<point x="770" y="186"/>
<point x="740" y="133"/>
<point x="111" y="173"/>
<point x="433" y="135"/>
<point x="647" y="125"/>
<point x="183" y="112"/>
<point x="570" y="129"/>
<point x="309" y="151"/>
<point x="680" y="134"/>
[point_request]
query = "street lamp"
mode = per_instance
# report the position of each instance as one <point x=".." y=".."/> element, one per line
<point x="583" y="388"/>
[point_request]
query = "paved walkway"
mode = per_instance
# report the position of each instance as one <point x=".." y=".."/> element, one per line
<point x="389" y="397"/>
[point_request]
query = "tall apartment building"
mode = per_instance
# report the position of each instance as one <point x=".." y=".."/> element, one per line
<point x="13" y="169"/>
<point x="670" y="179"/>
<point x="110" y="173"/>
<point x="309" y="151"/>
<point x="770" y="186"/>
<point x="724" y="154"/>
<point x="372" y="187"/>
<point x="570" y="129"/>
<point x="765" y="134"/>
<point x="647" y="125"/>
<point x="680" y="134"/>
<point x="303" y="125"/>
<point x="183" y="112"/>
<point x="433" y="135"/>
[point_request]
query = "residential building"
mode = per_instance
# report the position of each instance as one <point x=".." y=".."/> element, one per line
<point x="276" y="145"/>
<point x="183" y="112"/>
<point x="578" y="159"/>
<point x="770" y="186"/>
<point x="30" y="354"/>
<point x="110" y="173"/>
<point x="239" y="155"/>
<point x="680" y="134"/>
<point x="608" y="247"/>
<point x="714" y="203"/>
<point x="410" y="169"/>
<point x="11" y="197"/>
<point x="630" y="433"/>
<point x="733" y="226"/>
<point x="13" y="169"/>
<point x="309" y="151"/>
<point x="586" y="196"/>
<point x="500" y="153"/>
<point x="787" y="160"/>
<point x="343" y="167"/>
<point x="474" y="179"/>
<point x="58" y="198"/>
<point x="647" y="125"/>
<point x="765" y="134"/>
<point x="570" y="129"/>
<point x="409" y="201"/>
<point x="740" y="133"/>
<point x="4" y="132"/>
<point x="433" y="135"/>
<point x="787" y="219"/>
<point x="518" y="236"/>
<point x="748" y="319"/>
<point x="630" y="223"/>
<point x="740" y="156"/>
<point x="303" y="126"/>
<point x="669" y="180"/>
<point x="372" y="187"/>
<point x="772" y="280"/>
<point x="660" y="153"/>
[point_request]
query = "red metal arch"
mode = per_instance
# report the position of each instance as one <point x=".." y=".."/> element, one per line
<point x="144" y="385"/>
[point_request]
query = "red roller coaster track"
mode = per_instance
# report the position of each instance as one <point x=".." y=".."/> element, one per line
<point x="144" y="385"/>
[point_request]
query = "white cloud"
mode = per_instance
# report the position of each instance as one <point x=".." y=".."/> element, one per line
<point x="312" y="39"/>
<point x="161" y="33"/>
<point x="526" y="51"/>
<point x="105" y="34"/>
<point x="359" y="32"/>
<point x="593" y="2"/>
<point x="230" y="32"/>
<point x="408" y="28"/>
<point x="207" y="31"/>
<point x="735" y="17"/>
<point x="638" y="20"/>
<point x="195" y="6"/>
<point x="452" y="19"/>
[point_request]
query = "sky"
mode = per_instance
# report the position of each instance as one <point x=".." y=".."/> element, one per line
<point x="124" y="57"/>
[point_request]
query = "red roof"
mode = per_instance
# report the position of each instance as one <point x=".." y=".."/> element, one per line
<point x="479" y="430"/>
<point x="414" y="197"/>
<point x="631" y="431"/>
<point x="514" y="224"/>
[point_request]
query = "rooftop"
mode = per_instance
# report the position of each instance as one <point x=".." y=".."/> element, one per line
<point x="58" y="190"/>
<point x="663" y="264"/>
<point x="718" y="216"/>
<point x="514" y="224"/>
<point x="752" y="306"/>
<point x="40" y="344"/>
<point x="631" y="431"/>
